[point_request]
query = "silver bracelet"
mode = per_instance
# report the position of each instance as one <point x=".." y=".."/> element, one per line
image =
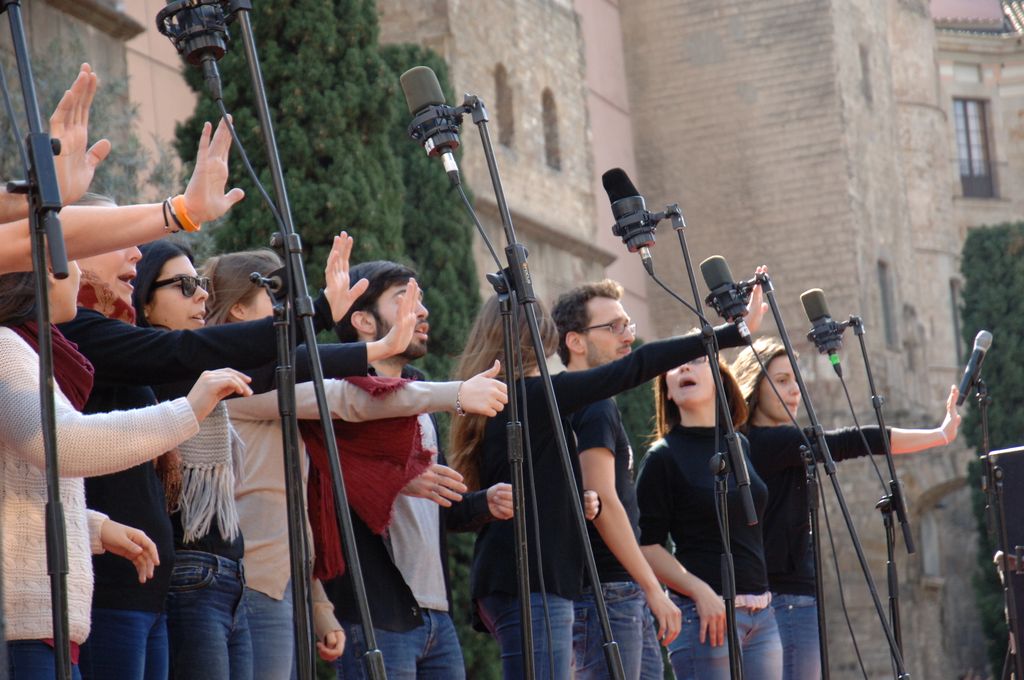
<point x="459" y="411"/>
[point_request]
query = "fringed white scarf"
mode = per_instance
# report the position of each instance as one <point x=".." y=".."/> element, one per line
<point x="208" y="478"/>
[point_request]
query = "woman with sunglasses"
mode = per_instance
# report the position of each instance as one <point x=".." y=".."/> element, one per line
<point x="777" y="457"/>
<point x="676" y="494"/>
<point x="479" y="453"/>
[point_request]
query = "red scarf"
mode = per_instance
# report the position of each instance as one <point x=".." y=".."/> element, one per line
<point x="378" y="457"/>
<point x="94" y="294"/>
<point x="71" y="370"/>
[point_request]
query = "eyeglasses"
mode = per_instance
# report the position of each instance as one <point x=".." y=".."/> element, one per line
<point x="617" y="327"/>
<point x="188" y="283"/>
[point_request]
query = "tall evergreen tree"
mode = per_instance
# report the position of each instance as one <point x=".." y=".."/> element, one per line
<point x="330" y="95"/>
<point x="993" y="272"/>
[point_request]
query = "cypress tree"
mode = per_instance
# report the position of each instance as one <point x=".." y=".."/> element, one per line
<point x="330" y="96"/>
<point x="993" y="272"/>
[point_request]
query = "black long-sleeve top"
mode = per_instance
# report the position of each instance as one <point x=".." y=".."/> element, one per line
<point x="127" y="360"/>
<point x="775" y="453"/>
<point x="676" y="490"/>
<point x="494" y="568"/>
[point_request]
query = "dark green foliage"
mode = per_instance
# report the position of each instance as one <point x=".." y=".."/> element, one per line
<point x="330" y="95"/>
<point x="993" y="269"/>
<point x="637" y="408"/>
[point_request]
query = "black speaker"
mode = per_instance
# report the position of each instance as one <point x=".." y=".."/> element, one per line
<point x="1008" y="472"/>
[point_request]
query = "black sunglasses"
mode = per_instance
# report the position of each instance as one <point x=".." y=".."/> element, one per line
<point x="187" y="283"/>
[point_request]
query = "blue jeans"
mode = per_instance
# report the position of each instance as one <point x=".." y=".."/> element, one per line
<point x="759" y="646"/>
<point x="797" y="617"/>
<point x="500" y="613"/>
<point x="126" y="644"/>
<point x="272" y="631"/>
<point x="34" y="660"/>
<point x="428" y="652"/>
<point x="206" y="621"/>
<point x="631" y="623"/>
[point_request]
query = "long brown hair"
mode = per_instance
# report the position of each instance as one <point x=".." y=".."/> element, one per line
<point x="230" y="283"/>
<point x="748" y="371"/>
<point x="485" y="344"/>
<point x="666" y="413"/>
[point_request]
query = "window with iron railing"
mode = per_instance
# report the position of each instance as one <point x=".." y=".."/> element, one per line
<point x="972" y="146"/>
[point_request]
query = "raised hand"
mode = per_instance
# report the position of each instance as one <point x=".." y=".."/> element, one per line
<point x="483" y="394"/>
<point x="205" y="199"/>
<point x="213" y="386"/>
<point x="439" y="483"/>
<point x="400" y="335"/>
<point x="76" y="164"/>
<point x="339" y="295"/>
<point x="757" y="307"/>
<point x="951" y="423"/>
<point x="133" y="545"/>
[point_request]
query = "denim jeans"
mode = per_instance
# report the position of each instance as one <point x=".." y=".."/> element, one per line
<point x="34" y="660"/>
<point x="272" y="631"/>
<point x="206" y="621"/>
<point x="500" y="613"/>
<point x="759" y="646"/>
<point x="631" y="622"/>
<point x="126" y="644"/>
<point x="797" y="617"/>
<point x="428" y="652"/>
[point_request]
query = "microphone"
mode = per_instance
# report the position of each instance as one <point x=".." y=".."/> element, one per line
<point x="274" y="282"/>
<point x="634" y="224"/>
<point x="826" y="334"/>
<point x="727" y="297"/>
<point x="982" y="341"/>
<point x="199" y="33"/>
<point x="435" y="124"/>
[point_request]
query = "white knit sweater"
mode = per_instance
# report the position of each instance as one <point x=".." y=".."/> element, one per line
<point x="87" y="445"/>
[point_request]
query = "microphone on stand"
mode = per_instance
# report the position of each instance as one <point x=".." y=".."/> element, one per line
<point x="982" y="341"/>
<point x="727" y="297"/>
<point x="825" y="333"/>
<point x="634" y="224"/>
<point x="435" y="124"/>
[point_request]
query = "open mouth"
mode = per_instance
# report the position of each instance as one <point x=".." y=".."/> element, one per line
<point x="422" y="332"/>
<point x="687" y="382"/>
<point x="199" y="318"/>
<point x="128" y="279"/>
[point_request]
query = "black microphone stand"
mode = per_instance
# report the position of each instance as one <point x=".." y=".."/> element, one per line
<point x="721" y="463"/>
<point x="203" y="33"/>
<point x="43" y="192"/>
<point x="894" y="501"/>
<point x="520" y="283"/>
<point x="821" y="449"/>
<point x="514" y="443"/>
<point x="992" y="484"/>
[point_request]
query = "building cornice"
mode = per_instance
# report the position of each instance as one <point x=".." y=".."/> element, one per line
<point x="102" y="16"/>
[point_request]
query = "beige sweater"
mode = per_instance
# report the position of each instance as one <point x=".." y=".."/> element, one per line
<point x="259" y="481"/>
<point x="87" y="445"/>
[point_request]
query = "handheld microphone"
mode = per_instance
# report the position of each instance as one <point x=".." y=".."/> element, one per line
<point x="634" y="224"/>
<point x="727" y="297"/>
<point x="826" y="334"/>
<point x="435" y="124"/>
<point x="982" y="341"/>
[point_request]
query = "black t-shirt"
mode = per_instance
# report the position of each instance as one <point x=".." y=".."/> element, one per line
<point x="676" y="491"/>
<point x="776" y="455"/>
<point x="600" y="426"/>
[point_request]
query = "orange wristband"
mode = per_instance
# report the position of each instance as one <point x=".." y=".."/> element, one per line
<point x="178" y="204"/>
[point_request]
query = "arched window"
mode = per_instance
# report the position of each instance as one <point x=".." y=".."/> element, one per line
<point x="504" y="106"/>
<point x="552" y="153"/>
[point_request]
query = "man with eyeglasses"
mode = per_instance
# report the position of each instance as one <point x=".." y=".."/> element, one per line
<point x="594" y="329"/>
